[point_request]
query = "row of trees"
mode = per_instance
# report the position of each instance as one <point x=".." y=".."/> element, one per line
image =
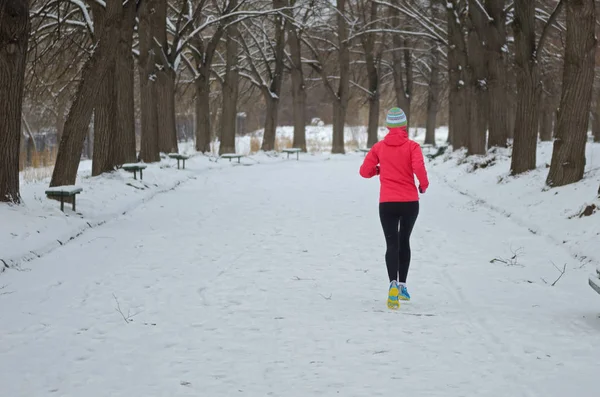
<point x="494" y="64"/>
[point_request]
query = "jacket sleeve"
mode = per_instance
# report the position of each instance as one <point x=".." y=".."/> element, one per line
<point x="368" y="169"/>
<point x="418" y="166"/>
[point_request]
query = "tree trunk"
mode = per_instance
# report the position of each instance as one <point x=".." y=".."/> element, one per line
<point x="433" y="95"/>
<point x="528" y="89"/>
<point x="401" y="66"/>
<point x="105" y="124"/>
<point x="80" y="113"/>
<point x="60" y="116"/>
<point x="203" y="136"/>
<point x="298" y="89"/>
<point x="165" y="106"/>
<point x="149" y="150"/>
<point x="14" y="36"/>
<point x="568" y="156"/>
<point x="343" y="95"/>
<point x="546" y="125"/>
<point x="272" y="102"/>
<point x="459" y="95"/>
<point x="496" y="75"/>
<point x="339" y="116"/>
<point x="124" y="144"/>
<point x="230" y="92"/>
<point x="272" y="108"/>
<point x="596" y="124"/>
<point x="373" y="78"/>
<point x="478" y="103"/>
<point x="373" y="127"/>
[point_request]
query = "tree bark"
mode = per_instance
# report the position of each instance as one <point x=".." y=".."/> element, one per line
<point x="80" y="113"/>
<point x="298" y="88"/>
<point x="15" y="26"/>
<point x="165" y="81"/>
<point x="528" y="89"/>
<point x="149" y="150"/>
<point x="546" y="124"/>
<point x="202" y="84"/>
<point x="373" y="67"/>
<point x="596" y="124"/>
<point x="105" y="124"/>
<point x="459" y="92"/>
<point x="401" y="67"/>
<point x="125" y="144"/>
<point x="479" y="100"/>
<point x="230" y="91"/>
<point x="433" y="95"/>
<point x="340" y="104"/>
<point x="271" y="120"/>
<point x="568" y="156"/>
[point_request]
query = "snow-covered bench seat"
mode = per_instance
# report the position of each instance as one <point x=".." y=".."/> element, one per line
<point x="595" y="281"/>
<point x="62" y="192"/>
<point x="364" y="150"/>
<point x="179" y="157"/>
<point x="232" y="156"/>
<point x="135" y="167"/>
<point x="292" y="150"/>
<point x="441" y="150"/>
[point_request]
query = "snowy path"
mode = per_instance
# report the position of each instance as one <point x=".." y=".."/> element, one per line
<point x="269" y="281"/>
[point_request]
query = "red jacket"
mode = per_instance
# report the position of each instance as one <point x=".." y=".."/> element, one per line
<point x="396" y="159"/>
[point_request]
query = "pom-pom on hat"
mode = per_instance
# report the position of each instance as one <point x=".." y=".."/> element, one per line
<point x="396" y="118"/>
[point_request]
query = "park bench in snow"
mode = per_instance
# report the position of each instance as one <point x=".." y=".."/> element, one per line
<point x="135" y="167"/>
<point x="231" y="156"/>
<point x="292" y="150"/>
<point x="62" y="192"/>
<point x="364" y="150"/>
<point x="441" y="150"/>
<point x="595" y="281"/>
<point x="179" y="157"/>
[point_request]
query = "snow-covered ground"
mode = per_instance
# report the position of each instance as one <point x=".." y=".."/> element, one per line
<point x="268" y="279"/>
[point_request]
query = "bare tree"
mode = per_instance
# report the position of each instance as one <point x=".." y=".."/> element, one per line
<point x="527" y="52"/>
<point x="14" y="33"/>
<point x="78" y="118"/>
<point x="568" y="156"/>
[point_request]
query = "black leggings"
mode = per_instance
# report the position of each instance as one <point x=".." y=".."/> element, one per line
<point x="398" y="220"/>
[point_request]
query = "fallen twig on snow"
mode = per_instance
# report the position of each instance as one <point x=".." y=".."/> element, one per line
<point x="512" y="261"/>
<point x="129" y="317"/>
<point x="328" y="298"/>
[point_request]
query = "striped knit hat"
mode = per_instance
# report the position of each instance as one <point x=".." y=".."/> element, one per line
<point x="396" y="118"/>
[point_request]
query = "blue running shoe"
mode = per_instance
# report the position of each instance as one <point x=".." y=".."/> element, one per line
<point x="404" y="295"/>
<point x="392" y="301"/>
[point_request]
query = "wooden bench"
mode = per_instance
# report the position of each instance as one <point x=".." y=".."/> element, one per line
<point x="179" y="157"/>
<point x="135" y="167"/>
<point x="292" y="150"/>
<point x="595" y="281"/>
<point x="62" y="192"/>
<point x="364" y="150"/>
<point x="231" y="156"/>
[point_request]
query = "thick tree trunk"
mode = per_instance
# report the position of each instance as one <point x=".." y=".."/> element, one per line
<point x="230" y="92"/>
<point x="339" y="116"/>
<point x="568" y="156"/>
<point x="459" y="92"/>
<point x="165" y="106"/>
<point x="596" y="124"/>
<point x="479" y="101"/>
<point x="298" y="89"/>
<point x="546" y="124"/>
<point x="80" y="113"/>
<point x="271" y="121"/>
<point x="373" y="126"/>
<point x="496" y="74"/>
<point x="203" y="136"/>
<point x="343" y="95"/>
<point x="14" y="36"/>
<point x="149" y="150"/>
<point x="433" y="95"/>
<point x="124" y="144"/>
<point x="272" y="108"/>
<point x="60" y="116"/>
<point x="528" y="89"/>
<point x="105" y="124"/>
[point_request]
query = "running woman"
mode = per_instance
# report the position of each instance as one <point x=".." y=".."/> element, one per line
<point x="397" y="159"/>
